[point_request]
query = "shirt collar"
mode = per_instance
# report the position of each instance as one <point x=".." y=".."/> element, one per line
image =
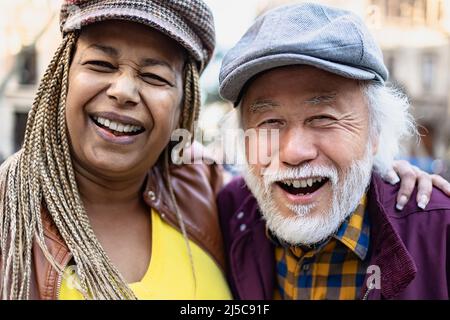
<point x="354" y="232"/>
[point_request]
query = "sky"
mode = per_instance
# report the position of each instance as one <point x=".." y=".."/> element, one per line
<point x="232" y="18"/>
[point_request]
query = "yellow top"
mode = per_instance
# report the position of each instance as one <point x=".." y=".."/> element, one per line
<point x="169" y="275"/>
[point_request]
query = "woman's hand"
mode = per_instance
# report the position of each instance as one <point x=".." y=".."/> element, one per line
<point x="408" y="175"/>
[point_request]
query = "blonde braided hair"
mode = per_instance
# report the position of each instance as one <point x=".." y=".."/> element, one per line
<point x="41" y="176"/>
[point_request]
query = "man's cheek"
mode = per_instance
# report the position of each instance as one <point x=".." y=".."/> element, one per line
<point x="262" y="146"/>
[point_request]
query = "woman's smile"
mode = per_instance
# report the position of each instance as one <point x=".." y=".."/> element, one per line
<point x="114" y="128"/>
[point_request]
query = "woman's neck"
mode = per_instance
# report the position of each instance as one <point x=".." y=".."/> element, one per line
<point x="108" y="195"/>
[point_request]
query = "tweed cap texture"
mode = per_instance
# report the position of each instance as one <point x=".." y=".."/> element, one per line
<point x="189" y="22"/>
<point x="328" y="38"/>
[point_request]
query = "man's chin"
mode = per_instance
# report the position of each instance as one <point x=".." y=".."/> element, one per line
<point x="297" y="229"/>
<point x="292" y="206"/>
<point x="292" y="210"/>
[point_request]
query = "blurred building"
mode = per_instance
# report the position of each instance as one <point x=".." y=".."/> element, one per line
<point x="30" y="35"/>
<point x="414" y="36"/>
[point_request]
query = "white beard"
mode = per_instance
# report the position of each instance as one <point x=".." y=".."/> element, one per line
<point x="304" y="228"/>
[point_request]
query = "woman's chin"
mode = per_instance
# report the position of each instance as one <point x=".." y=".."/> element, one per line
<point x="113" y="165"/>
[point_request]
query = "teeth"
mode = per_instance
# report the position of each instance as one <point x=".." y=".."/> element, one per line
<point x="303" y="183"/>
<point x="117" y="126"/>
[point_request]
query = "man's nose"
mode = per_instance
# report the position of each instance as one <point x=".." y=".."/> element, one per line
<point x="124" y="90"/>
<point x="297" y="146"/>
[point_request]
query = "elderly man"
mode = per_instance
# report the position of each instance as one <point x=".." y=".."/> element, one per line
<point x="330" y="229"/>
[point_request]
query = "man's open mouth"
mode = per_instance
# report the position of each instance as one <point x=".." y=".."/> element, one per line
<point x="302" y="186"/>
<point x="117" y="128"/>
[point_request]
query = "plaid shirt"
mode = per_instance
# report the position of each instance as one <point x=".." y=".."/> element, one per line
<point x="336" y="269"/>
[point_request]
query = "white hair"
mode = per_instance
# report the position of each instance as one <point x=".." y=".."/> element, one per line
<point x="390" y="122"/>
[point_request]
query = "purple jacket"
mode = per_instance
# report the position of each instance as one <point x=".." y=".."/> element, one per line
<point x="411" y="247"/>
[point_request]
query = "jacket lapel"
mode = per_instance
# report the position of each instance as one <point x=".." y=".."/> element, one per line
<point x="389" y="253"/>
<point x="252" y="259"/>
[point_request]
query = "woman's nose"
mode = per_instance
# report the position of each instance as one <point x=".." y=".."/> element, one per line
<point x="124" y="90"/>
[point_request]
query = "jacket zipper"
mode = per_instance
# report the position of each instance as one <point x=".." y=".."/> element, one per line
<point x="369" y="289"/>
<point x="60" y="276"/>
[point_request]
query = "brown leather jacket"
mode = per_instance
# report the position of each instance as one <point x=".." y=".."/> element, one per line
<point x="195" y="187"/>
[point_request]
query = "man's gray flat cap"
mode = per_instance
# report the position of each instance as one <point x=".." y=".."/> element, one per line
<point x="328" y="38"/>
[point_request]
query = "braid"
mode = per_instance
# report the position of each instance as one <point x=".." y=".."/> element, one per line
<point x="189" y="115"/>
<point x="191" y="106"/>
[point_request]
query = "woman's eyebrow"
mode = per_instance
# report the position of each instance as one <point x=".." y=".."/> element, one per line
<point x="114" y="53"/>
<point x="150" y="62"/>
<point x="110" y="51"/>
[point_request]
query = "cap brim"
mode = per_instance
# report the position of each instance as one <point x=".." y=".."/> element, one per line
<point x="236" y="80"/>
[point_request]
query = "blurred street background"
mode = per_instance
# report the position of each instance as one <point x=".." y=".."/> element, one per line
<point x="414" y="36"/>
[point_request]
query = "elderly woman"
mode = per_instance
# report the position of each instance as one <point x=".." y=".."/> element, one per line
<point x="91" y="207"/>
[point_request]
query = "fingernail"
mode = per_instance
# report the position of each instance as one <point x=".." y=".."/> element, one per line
<point x="423" y="202"/>
<point x="401" y="203"/>
<point x="394" y="179"/>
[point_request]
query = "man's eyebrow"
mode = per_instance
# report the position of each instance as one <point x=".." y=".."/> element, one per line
<point x="263" y="105"/>
<point x="322" y="99"/>
<point x="113" y="52"/>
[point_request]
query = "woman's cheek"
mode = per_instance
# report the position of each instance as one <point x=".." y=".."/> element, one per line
<point x="84" y="86"/>
<point x="165" y="109"/>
